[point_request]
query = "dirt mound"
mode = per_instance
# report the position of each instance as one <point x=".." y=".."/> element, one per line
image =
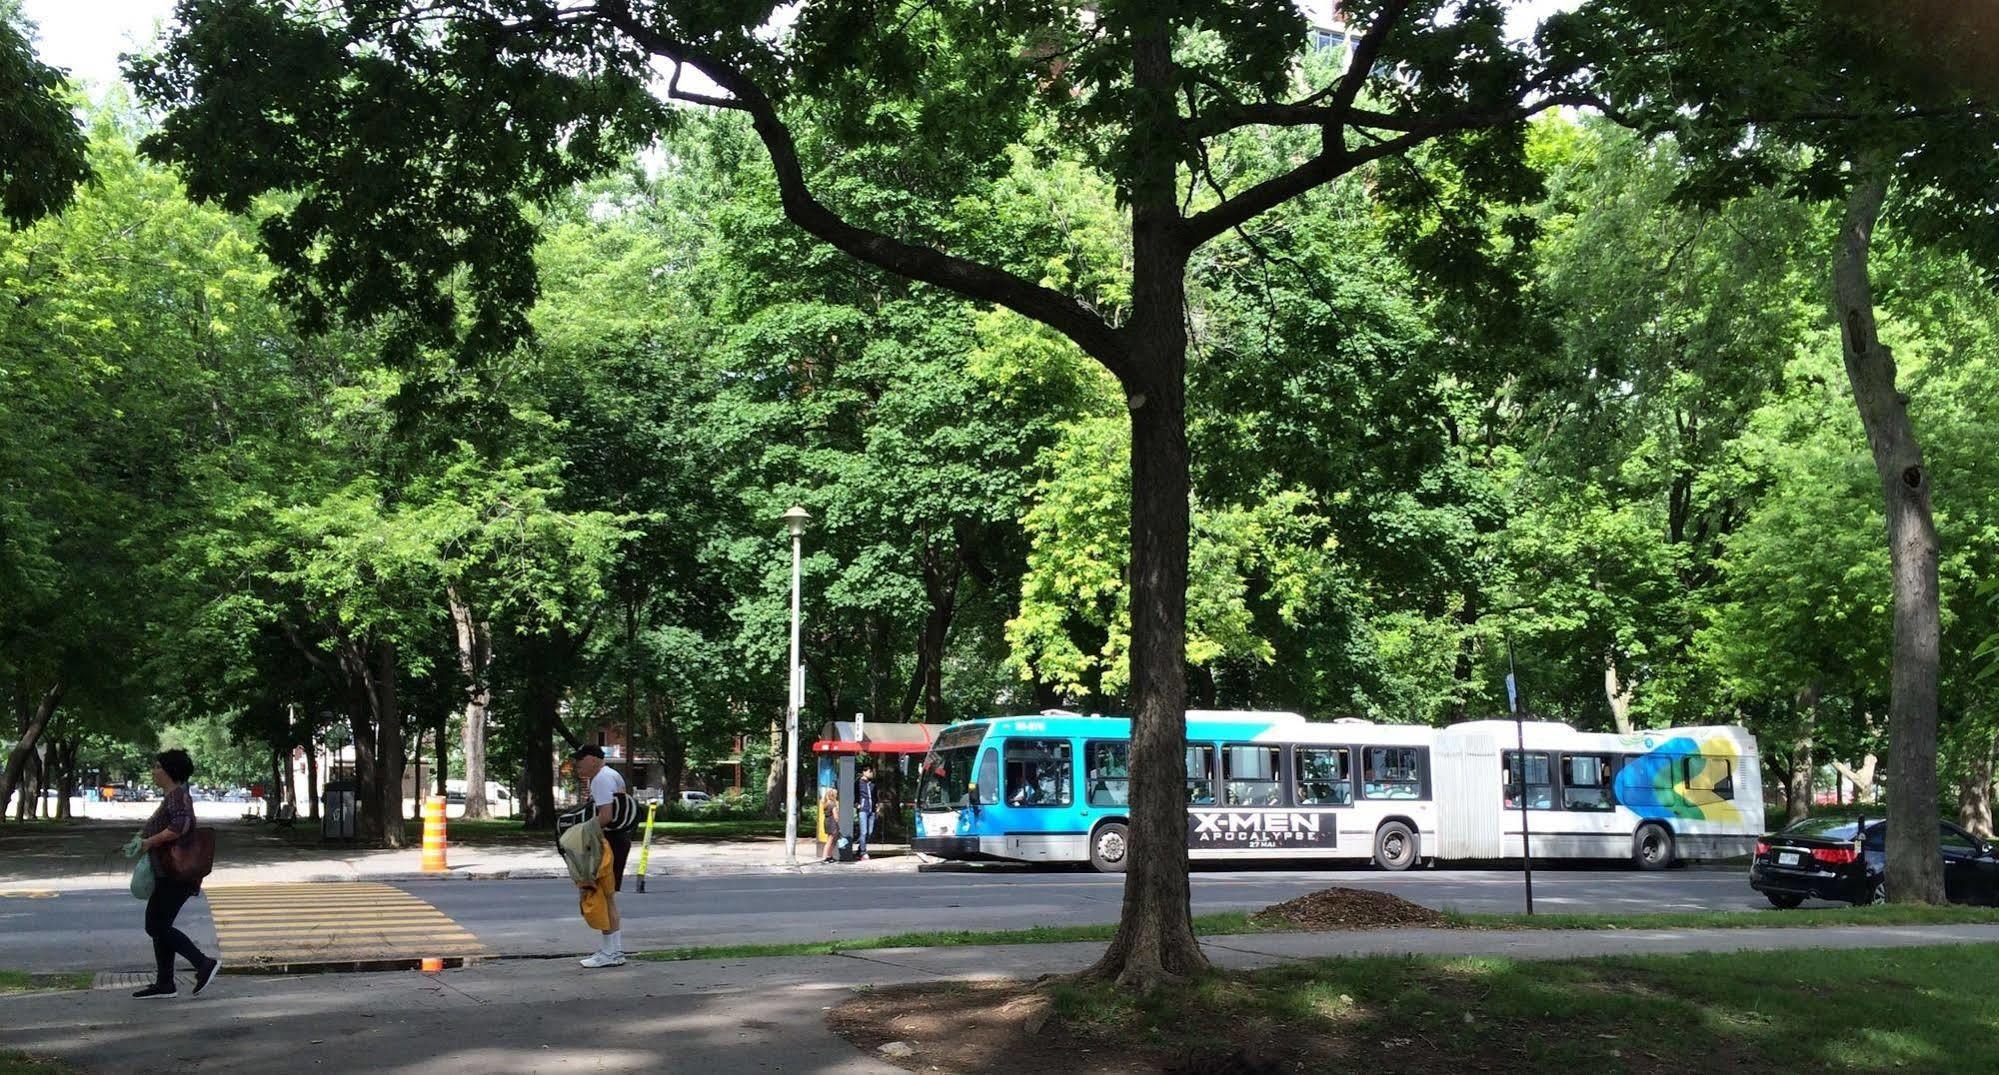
<point x="1347" y="908"/>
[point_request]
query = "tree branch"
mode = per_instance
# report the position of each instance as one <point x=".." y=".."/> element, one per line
<point x="963" y="276"/>
<point x="1336" y="160"/>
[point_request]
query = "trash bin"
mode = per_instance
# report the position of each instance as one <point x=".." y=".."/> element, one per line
<point x="337" y="819"/>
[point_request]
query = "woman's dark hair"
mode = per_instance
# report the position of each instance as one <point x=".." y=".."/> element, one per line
<point x="177" y="764"/>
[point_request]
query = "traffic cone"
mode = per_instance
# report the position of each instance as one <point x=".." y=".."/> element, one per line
<point x="433" y="835"/>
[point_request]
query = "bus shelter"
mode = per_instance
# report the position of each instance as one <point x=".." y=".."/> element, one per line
<point x="895" y="749"/>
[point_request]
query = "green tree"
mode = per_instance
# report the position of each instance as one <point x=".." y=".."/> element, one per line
<point x="1143" y="93"/>
<point x="43" y="150"/>
<point x="1876" y="98"/>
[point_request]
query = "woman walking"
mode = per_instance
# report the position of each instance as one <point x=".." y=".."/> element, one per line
<point x="173" y="820"/>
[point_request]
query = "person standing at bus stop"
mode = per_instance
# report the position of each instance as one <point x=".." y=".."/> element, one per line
<point x="864" y="811"/>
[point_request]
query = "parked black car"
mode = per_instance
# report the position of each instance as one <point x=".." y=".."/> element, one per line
<point x="1845" y="859"/>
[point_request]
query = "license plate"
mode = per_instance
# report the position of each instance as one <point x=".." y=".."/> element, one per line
<point x="1789" y="858"/>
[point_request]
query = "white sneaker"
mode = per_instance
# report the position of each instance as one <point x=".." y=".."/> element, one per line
<point x="603" y="959"/>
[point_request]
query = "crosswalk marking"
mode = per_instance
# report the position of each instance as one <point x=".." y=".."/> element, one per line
<point x="337" y="922"/>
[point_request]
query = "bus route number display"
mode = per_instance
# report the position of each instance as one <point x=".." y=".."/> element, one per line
<point x="1259" y="829"/>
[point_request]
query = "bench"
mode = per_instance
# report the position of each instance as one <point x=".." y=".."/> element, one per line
<point x="285" y="816"/>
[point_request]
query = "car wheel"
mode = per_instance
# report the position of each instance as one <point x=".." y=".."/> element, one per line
<point x="1878" y="894"/>
<point x="1783" y="901"/>
<point x="1394" y="847"/>
<point x="1652" y="848"/>
<point x="1109" y="846"/>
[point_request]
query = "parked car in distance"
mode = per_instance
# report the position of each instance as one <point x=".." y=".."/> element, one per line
<point x="694" y="799"/>
<point x="496" y="793"/>
<point x="130" y="795"/>
<point x="1845" y="859"/>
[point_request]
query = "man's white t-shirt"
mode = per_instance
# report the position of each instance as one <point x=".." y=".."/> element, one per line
<point x="605" y="785"/>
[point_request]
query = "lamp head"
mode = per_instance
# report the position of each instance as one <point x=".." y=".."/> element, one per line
<point x="796" y="519"/>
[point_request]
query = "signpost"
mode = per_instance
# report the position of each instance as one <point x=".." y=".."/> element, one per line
<point x="1520" y="758"/>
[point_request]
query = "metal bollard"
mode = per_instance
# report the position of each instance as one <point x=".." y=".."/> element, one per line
<point x="433" y="835"/>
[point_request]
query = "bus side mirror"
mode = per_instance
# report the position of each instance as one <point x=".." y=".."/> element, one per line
<point x="972" y="796"/>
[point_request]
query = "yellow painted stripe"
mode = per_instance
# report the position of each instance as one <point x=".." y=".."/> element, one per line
<point x="335" y="922"/>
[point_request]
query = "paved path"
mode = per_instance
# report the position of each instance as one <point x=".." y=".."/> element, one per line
<point x="100" y="930"/>
<point x="718" y="1017"/>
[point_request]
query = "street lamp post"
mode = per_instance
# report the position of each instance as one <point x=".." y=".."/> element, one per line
<point x="1520" y="756"/>
<point x="795" y="519"/>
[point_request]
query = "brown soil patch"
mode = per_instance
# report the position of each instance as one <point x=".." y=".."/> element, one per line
<point x="1347" y="908"/>
<point x="1008" y="1027"/>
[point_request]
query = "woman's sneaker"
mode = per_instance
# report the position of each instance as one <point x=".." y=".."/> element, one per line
<point x="207" y="974"/>
<point x="156" y="991"/>
<point x="604" y="959"/>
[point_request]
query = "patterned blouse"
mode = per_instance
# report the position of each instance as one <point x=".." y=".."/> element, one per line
<point x="176" y="812"/>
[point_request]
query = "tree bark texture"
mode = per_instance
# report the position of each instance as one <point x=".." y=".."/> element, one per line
<point x="1974" y="792"/>
<point x="1618" y="694"/>
<point x="1915" y="869"/>
<point x="31" y="733"/>
<point x="544" y="713"/>
<point x="1798" y="777"/>
<point x="312" y="776"/>
<point x="64" y="753"/>
<point x="475" y="655"/>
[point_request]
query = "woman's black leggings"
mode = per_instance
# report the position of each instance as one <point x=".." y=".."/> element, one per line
<point x="161" y="909"/>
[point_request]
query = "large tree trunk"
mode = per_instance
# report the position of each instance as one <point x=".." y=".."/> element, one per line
<point x="312" y="775"/>
<point x="1861" y="779"/>
<point x="1155" y="936"/>
<point x="31" y="734"/>
<point x="672" y="747"/>
<point x="1915" y="866"/>
<point x="774" y="774"/>
<point x="1618" y="694"/>
<point x="65" y="753"/>
<point x="443" y="754"/>
<point x="1798" y="780"/>
<point x="1974" y="791"/>
<point x="387" y="824"/>
<point x="544" y="712"/>
<point x="475" y="656"/>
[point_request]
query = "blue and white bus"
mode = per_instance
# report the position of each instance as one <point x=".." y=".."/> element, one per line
<point x="1053" y="788"/>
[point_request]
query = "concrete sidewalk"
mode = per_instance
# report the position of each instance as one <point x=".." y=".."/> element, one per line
<point x="718" y="1017"/>
<point x="85" y="855"/>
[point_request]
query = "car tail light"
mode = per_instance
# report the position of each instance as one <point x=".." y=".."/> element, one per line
<point x="1835" y="856"/>
<point x="1762" y="847"/>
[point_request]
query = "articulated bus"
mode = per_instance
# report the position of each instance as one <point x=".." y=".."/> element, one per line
<point x="1054" y="788"/>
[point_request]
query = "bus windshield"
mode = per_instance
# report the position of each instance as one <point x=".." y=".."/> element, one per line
<point x="947" y="770"/>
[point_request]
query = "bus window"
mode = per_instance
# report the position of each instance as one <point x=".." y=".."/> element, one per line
<point x="1391" y="773"/>
<point x="989" y="778"/>
<point x="1540" y="786"/>
<point x="947" y="776"/>
<point x="1252" y="775"/>
<point x="1109" y="771"/>
<point x="1586" y="782"/>
<point x="1201" y="776"/>
<point x="1037" y="772"/>
<point x="1709" y="779"/>
<point x="1325" y="776"/>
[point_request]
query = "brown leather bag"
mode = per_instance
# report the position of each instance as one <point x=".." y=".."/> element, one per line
<point x="190" y="858"/>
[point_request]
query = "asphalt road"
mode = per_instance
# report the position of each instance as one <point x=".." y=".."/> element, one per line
<point x="101" y="930"/>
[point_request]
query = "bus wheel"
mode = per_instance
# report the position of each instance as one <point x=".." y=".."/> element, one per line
<point x="1108" y="847"/>
<point x="1394" y="846"/>
<point x="1652" y="848"/>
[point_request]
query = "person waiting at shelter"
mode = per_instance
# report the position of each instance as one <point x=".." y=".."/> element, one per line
<point x="864" y="811"/>
<point x="829" y="822"/>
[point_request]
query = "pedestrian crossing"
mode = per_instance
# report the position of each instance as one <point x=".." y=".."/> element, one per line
<point x="356" y="923"/>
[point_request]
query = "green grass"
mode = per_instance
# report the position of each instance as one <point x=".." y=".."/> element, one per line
<point x="1888" y="915"/>
<point x="1238" y="922"/>
<point x="12" y="1063"/>
<point x="1915" y="1009"/>
<point x="13" y="981"/>
<point x="1210" y="924"/>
